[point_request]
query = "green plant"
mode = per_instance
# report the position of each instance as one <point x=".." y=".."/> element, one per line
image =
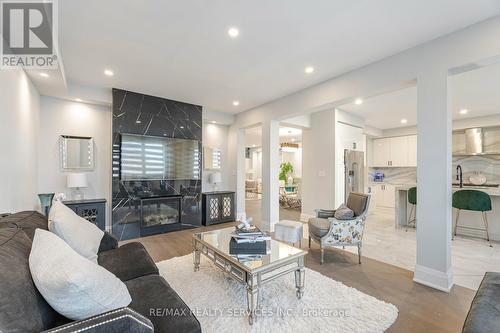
<point x="285" y="169"/>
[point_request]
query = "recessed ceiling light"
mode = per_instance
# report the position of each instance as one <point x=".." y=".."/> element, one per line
<point x="44" y="75"/>
<point x="108" y="72"/>
<point x="309" y="69"/>
<point x="464" y="111"/>
<point x="214" y="122"/>
<point x="358" y="101"/>
<point x="233" y="32"/>
<point x="78" y="100"/>
<point x="236" y="103"/>
<point x="253" y="146"/>
<point x="293" y="139"/>
<point x="404" y="121"/>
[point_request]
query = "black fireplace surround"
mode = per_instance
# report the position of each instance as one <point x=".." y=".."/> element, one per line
<point x="146" y="207"/>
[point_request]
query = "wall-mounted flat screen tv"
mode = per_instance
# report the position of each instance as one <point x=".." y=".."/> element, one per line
<point x="158" y="158"/>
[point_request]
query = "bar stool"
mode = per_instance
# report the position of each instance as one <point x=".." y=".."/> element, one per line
<point x="412" y="199"/>
<point x="472" y="200"/>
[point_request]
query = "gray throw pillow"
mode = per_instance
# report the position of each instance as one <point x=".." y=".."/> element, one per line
<point x="344" y="213"/>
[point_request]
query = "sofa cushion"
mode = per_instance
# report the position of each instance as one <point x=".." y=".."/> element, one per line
<point x="27" y="221"/>
<point x="83" y="236"/>
<point x="127" y="262"/>
<point x="155" y="299"/>
<point x="318" y="226"/>
<point x="73" y="285"/>
<point x="22" y="307"/>
<point x="484" y="313"/>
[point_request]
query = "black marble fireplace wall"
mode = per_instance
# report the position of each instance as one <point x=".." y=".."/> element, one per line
<point x="140" y="114"/>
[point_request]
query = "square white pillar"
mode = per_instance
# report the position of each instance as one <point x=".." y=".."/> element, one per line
<point x="270" y="172"/>
<point x="240" y="173"/>
<point x="434" y="177"/>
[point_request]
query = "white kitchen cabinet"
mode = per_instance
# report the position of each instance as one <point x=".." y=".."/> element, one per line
<point x="400" y="151"/>
<point x="385" y="195"/>
<point x="381" y="152"/>
<point x="412" y="150"/>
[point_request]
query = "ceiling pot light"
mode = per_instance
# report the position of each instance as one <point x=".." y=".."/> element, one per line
<point x="404" y="121"/>
<point x="78" y="100"/>
<point x="358" y="101"/>
<point x="464" y="111"/>
<point x="44" y="75"/>
<point x="309" y="69"/>
<point x="214" y="122"/>
<point x="233" y="32"/>
<point x="236" y="103"/>
<point x="253" y="146"/>
<point x="108" y="72"/>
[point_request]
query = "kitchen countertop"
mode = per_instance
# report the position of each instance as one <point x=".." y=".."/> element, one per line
<point x="493" y="191"/>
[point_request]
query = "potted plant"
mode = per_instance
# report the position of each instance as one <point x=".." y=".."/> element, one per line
<point x="286" y="170"/>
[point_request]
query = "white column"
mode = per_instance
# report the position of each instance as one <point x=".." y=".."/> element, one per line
<point x="270" y="172"/>
<point x="240" y="173"/>
<point x="434" y="176"/>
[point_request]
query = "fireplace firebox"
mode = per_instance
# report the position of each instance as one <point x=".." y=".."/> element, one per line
<point x="160" y="214"/>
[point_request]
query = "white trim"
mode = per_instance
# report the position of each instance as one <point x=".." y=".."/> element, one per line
<point x="432" y="278"/>
<point x="305" y="217"/>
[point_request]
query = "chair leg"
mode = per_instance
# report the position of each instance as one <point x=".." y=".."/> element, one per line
<point x="485" y="220"/>
<point x="456" y="224"/>
<point x="359" y="253"/>
<point x="322" y="255"/>
<point x="309" y="241"/>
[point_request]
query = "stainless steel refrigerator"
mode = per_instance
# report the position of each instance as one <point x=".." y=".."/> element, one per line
<point x="354" y="162"/>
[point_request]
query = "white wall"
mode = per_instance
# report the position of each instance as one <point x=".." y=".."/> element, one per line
<point x="295" y="158"/>
<point x="19" y="114"/>
<point x="215" y="136"/>
<point x="318" y="163"/>
<point x="62" y="117"/>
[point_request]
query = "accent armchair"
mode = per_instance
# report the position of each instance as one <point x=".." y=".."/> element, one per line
<point x="329" y="231"/>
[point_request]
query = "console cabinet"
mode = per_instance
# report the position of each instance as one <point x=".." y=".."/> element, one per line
<point x="93" y="210"/>
<point x="218" y="207"/>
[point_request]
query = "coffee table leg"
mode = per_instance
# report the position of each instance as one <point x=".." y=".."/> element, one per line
<point x="252" y="301"/>
<point x="196" y="258"/>
<point x="300" y="275"/>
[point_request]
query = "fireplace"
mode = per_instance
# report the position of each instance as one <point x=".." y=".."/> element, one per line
<point x="160" y="214"/>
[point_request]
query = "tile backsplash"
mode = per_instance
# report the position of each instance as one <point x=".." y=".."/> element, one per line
<point x="406" y="175"/>
<point x="489" y="166"/>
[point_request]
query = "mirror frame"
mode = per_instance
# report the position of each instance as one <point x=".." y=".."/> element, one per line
<point x="62" y="139"/>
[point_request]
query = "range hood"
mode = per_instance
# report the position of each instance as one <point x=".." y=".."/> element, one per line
<point x="474" y="141"/>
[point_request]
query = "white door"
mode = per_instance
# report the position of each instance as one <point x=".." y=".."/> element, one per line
<point x="381" y="152"/>
<point x="399" y="151"/>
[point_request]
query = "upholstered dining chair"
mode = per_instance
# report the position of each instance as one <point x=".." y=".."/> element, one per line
<point x="329" y="231"/>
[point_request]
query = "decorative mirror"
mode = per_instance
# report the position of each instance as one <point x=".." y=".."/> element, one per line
<point x="76" y="152"/>
<point x="211" y="158"/>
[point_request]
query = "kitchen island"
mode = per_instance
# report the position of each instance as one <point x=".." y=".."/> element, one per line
<point x="467" y="218"/>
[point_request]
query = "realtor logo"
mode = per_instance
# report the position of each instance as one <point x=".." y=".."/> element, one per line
<point x="29" y="30"/>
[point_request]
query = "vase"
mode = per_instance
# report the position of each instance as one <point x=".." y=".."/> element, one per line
<point x="290" y="180"/>
<point x="46" y="202"/>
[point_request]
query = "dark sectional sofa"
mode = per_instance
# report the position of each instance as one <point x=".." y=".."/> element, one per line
<point x="23" y="309"/>
<point x="484" y="312"/>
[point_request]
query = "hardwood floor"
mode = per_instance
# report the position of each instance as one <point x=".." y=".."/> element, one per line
<point x="421" y="309"/>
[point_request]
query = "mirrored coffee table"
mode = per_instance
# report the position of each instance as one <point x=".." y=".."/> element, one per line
<point x="280" y="259"/>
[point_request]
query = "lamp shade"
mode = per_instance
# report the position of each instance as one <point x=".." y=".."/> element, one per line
<point x="215" y="178"/>
<point x="77" y="180"/>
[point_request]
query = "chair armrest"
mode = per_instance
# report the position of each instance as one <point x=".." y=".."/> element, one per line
<point x="108" y="242"/>
<point x="348" y="231"/>
<point x="124" y="320"/>
<point x="324" y="213"/>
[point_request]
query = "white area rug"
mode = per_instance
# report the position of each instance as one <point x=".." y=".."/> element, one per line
<point x="219" y="302"/>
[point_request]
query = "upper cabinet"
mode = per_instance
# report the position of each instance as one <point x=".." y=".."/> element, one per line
<point x="398" y="151"/>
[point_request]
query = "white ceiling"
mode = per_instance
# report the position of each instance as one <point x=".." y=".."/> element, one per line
<point x="476" y="90"/>
<point x="180" y="49"/>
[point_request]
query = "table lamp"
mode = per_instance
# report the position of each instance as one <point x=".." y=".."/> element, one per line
<point x="77" y="181"/>
<point x="215" y="178"/>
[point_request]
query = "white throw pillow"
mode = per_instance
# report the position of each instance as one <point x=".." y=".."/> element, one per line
<point x="73" y="285"/>
<point x="83" y="236"/>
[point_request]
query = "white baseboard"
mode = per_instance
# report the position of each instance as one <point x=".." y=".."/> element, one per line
<point x="305" y="217"/>
<point x="432" y="278"/>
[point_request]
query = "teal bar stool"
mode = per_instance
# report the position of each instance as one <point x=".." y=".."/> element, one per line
<point x="412" y="200"/>
<point x="472" y="200"/>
